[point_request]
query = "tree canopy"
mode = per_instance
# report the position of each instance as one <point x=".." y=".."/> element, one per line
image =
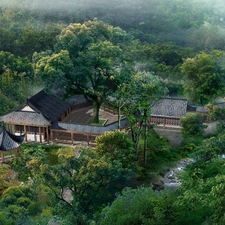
<point x="204" y="77"/>
<point x="88" y="61"/>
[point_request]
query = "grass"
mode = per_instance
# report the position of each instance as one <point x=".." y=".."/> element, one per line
<point x="100" y="123"/>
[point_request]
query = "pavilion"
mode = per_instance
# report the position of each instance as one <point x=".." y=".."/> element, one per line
<point x="9" y="142"/>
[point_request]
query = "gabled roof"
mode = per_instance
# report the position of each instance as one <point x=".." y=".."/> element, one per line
<point x="51" y="106"/>
<point x="169" y="107"/>
<point x="25" y="118"/>
<point x="9" y="141"/>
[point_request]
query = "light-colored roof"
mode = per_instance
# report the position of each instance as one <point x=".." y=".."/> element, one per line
<point x="169" y="107"/>
<point x="25" y="118"/>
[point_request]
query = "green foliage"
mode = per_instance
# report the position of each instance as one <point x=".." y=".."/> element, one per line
<point x="210" y="148"/>
<point x="160" y="155"/>
<point x="170" y="27"/>
<point x="192" y="126"/>
<point x="16" y="76"/>
<point x="159" y="150"/>
<point x="198" y="202"/>
<point x="144" y="91"/>
<point x="14" y="86"/>
<point x="6" y="104"/>
<point x="201" y="195"/>
<point x="92" y="180"/>
<point x="216" y="114"/>
<point x="4" y="178"/>
<point x="116" y="145"/>
<point x="139" y="206"/>
<point x="14" y="203"/>
<point x="165" y="59"/>
<point x="205" y="77"/>
<point x="30" y="162"/>
<point x="15" y="64"/>
<point x="95" y="78"/>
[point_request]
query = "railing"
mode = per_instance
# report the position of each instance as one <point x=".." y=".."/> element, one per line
<point x="71" y="133"/>
<point x="165" y="121"/>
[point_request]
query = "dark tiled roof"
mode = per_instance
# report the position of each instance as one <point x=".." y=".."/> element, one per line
<point x="89" y="128"/>
<point x="9" y="141"/>
<point x="169" y="107"/>
<point x="49" y="105"/>
<point x="201" y="109"/>
<point x="25" y="118"/>
<point x="77" y="99"/>
<point x="191" y="108"/>
<point x="220" y="105"/>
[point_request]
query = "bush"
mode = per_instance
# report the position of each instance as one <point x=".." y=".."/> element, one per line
<point x="192" y="126"/>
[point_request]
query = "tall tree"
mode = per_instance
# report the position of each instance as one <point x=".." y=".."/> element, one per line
<point x="145" y="90"/>
<point x="204" y="77"/>
<point x="92" y="179"/>
<point x="97" y="59"/>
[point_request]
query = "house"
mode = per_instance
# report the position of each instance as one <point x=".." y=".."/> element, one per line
<point x="36" y="115"/>
<point x="168" y="111"/>
<point x="46" y="118"/>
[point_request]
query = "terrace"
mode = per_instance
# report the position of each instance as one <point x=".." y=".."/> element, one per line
<point x="84" y="114"/>
<point x="75" y="128"/>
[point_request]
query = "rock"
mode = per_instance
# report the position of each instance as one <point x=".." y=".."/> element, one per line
<point x="171" y="177"/>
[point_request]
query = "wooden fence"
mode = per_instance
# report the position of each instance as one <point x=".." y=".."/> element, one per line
<point x="164" y="121"/>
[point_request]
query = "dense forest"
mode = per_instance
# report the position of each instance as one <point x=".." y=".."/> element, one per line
<point x="165" y="33"/>
<point x="160" y="47"/>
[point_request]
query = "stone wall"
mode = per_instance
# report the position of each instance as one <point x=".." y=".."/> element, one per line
<point x="172" y="135"/>
<point x="211" y="127"/>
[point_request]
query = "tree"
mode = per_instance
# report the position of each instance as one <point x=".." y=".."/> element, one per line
<point x="35" y="40"/>
<point x="118" y="100"/>
<point x="16" y="64"/>
<point x="4" y="178"/>
<point x="204" y="77"/>
<point x="117" y="146"/>
<point x="201" y="199"/>
<point x="92" y="180"/>
<point x="15" y="86"/>
<point x="217" y="114"/>
<point x="210" y="148"/>
<point x="145" y="90"/>
<point x="30" y="163"/>
<point x="139" y="206"/>
<point x="97" y="60"/>
<point x="16" y="203"/>
<point x="192" y="125"/>
<point x="6" y="104"/>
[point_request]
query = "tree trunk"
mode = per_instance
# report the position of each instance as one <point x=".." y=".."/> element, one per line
<point x="136" y="133"/>
<point x="97" y="106"/>
<point x="145" y="137"/>
<point x="119" y="118"/>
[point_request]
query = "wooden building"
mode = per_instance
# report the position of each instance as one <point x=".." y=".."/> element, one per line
<point x="45" y="117"/>
<point x="35" y="116"/>
<point x="168" y="111"/>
